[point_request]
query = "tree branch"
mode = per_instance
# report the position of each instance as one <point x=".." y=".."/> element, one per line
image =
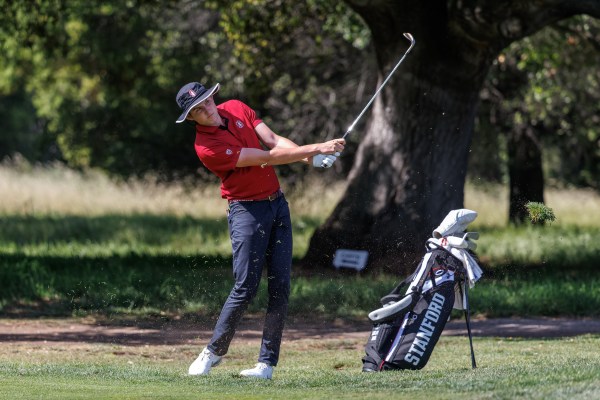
<point x="488" y="21"/>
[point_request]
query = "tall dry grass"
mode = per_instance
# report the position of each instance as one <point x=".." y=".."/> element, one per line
<point x="34" y="190"/>
<point x="572" y="207"/>
<point x="56" y="190"/>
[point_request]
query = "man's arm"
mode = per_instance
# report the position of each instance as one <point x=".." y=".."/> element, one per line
<point x="271" y="139"/>
<point x="284" y="151"/>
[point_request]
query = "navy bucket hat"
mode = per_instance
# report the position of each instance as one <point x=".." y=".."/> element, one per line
<point x="192" y="94"/>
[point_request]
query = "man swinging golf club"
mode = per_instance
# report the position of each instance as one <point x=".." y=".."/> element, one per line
<point x="238" y="147"/>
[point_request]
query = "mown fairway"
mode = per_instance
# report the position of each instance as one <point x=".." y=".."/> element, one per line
<point x="566" y="368"/>
<point x="73" y="245"/>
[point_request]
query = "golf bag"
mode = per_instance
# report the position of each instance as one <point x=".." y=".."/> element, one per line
<point x="408" y="326"/>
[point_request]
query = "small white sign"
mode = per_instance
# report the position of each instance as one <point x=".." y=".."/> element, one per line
<point x="355" y="259"/>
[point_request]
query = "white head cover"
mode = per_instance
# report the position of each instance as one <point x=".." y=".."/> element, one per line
<point x="455" y="223"/>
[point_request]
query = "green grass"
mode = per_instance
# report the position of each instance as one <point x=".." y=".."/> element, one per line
<point x="150" y="264"/>
<point x="78" y="244"/>
<point x="558" y="247"/>
<point x="309" y="369"/>
<point x="115" y="234"/>
<point x="138" y="284"/>
<point x="548" y="295"/>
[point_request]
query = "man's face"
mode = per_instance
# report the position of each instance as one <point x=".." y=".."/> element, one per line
<point x="205" y="113"/>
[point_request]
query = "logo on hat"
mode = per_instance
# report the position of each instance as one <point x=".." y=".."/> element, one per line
<point x="228" y="152"/>
<point x="239" y="124"/>
<point x="192" y="93"/>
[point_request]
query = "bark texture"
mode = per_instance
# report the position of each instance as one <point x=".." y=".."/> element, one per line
<point x="411" y="164"/>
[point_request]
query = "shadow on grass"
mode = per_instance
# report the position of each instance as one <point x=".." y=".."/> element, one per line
<point x="130" y="286"/>
<point x="141" y="280"/>
<point x="64" y="285"/>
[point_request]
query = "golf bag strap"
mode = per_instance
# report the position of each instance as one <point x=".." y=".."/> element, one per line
<point x="432" y="278"/>
<point x="407" y="280"/>
<point x="395" y="295"/>
<point x="376" y="357"/>
<point x="418" y="287"/>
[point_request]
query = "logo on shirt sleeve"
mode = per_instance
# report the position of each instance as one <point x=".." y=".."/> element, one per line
<point x="239" y="124"/>
<point x="228" y="152"/>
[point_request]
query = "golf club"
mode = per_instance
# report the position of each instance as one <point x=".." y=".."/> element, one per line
<point x="412" y="43"/>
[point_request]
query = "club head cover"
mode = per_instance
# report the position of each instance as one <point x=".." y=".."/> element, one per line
<point x="455" y="222"/>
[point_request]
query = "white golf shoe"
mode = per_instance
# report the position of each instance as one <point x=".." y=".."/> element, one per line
<point x="261" y="370"/>
<point x="205" y="361"/>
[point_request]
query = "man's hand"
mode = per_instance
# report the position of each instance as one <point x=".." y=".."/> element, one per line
<point x="335" y="147"/>
<point x="323" y="161"/>
<point x="330" y="150"/>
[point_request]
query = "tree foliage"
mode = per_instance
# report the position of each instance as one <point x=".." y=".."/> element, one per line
<point x="103" y="75"/>
<point x="549" y="82"/>
<point x="93" y="83"/>
<point x="563" y="96"/>
<point x="305" y="66"/>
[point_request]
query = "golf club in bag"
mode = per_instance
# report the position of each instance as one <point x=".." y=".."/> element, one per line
<point x="408" y="325"/>
<point x="412" y="43"/>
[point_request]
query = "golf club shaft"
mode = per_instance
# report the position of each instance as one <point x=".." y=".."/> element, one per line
<point x="412" y="43"/>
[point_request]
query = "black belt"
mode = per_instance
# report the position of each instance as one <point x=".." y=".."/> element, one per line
<point x="272" y="197"/>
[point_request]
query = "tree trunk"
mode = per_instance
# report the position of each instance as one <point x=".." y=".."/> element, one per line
<point x="525" y="172"/>
<point x="411" y="163"/>
<point x="410" y="168"/>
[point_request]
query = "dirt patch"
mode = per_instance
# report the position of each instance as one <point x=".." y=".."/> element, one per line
<point x="178" y="332"/>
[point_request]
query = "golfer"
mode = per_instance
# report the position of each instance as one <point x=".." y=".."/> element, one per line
<point x="238" y="147"/>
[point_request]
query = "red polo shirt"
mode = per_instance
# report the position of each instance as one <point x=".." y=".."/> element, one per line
<point x="219" y="150"/>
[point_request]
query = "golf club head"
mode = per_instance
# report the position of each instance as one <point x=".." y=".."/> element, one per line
<point x="456" y="242"/>
<point x="409" y="37"/>
<point x="471" y="235"/>
<point x="464" y="242"/>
